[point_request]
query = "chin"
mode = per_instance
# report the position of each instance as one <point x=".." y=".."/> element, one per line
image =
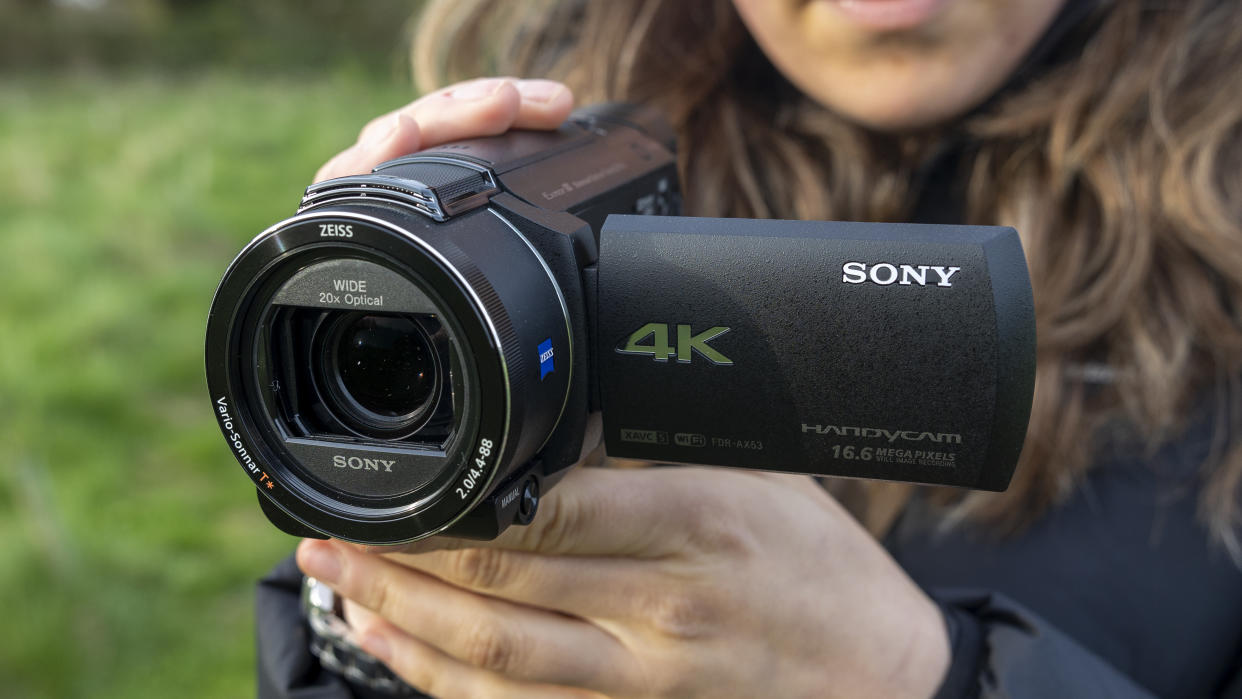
<point x="899" y="105"/>
<point x="898" y="114"/>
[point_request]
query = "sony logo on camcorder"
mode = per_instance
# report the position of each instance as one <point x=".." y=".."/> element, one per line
<point x="885" y="274"/>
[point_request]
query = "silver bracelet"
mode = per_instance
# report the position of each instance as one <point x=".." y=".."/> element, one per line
<point x="332" y="642"/>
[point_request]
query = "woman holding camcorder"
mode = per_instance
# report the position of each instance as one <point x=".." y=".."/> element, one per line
<point x="1108" y="132"/>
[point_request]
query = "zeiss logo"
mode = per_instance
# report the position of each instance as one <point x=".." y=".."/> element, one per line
<point x="545" y="358"/>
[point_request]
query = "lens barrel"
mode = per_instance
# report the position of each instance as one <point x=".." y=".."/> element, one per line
<point x="377" y="382"/>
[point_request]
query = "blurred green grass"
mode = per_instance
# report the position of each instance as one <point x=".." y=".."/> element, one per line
<point x="129" y="539"/>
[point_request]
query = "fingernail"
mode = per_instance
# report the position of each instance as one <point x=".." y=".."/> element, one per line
<point x="321" y="560"/>
<point x="376" y="645"/>
<point x="539" y="90"/>
<point x="477" y="89"/>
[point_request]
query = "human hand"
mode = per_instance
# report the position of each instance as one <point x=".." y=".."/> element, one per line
<point x="483" y="107"/>
<point x="685" y="582"/>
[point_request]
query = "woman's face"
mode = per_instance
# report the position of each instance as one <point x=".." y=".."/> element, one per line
<point x="897" y="64"/>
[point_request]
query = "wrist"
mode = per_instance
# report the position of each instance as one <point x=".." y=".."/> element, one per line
<point x="927" y="655"/>
<point x="892" y="637"/>
<point x="902" y="653"/>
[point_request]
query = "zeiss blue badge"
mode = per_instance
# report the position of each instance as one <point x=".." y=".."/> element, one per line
<point x="545" y="358"/>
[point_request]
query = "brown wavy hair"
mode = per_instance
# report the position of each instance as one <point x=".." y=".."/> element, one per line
<point x="1121" y="167"/>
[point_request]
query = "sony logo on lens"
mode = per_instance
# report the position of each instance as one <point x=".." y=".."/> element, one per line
<point x="360" y="464"/>
<point x="885" y="274"/>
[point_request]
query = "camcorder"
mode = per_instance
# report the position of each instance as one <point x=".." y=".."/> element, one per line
<point x="423" y="349"/>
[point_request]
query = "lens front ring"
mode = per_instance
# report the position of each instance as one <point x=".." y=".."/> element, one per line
<point x="229" y="343"/>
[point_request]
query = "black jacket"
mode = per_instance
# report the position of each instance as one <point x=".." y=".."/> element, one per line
<point x="1116" y="593"/>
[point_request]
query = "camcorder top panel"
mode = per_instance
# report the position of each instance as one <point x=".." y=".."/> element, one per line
<point x="425" y="348"/>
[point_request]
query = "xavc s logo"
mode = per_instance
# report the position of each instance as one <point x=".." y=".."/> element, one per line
<point x="687" y="344"/>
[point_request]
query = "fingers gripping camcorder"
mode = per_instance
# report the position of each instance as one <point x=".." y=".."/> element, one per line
<point x="422" y="349"/>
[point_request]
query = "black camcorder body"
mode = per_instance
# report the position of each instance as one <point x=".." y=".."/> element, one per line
<point x="421" y="349"/>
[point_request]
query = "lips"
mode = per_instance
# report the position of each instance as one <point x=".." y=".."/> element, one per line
<point x="889" y="15"/>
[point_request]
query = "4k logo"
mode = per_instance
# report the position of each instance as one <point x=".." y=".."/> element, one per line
<point x="687" y="344"/>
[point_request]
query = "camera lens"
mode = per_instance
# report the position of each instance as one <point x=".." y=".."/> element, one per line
<point x="377" y="388"/>
<point x="386" y="364"/>
<point x="380" y="373"/>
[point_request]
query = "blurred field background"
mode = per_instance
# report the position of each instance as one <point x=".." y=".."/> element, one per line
<point x="142" y="142"/>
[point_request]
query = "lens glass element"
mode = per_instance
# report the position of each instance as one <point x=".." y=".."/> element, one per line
<point x="386" y="364"/>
